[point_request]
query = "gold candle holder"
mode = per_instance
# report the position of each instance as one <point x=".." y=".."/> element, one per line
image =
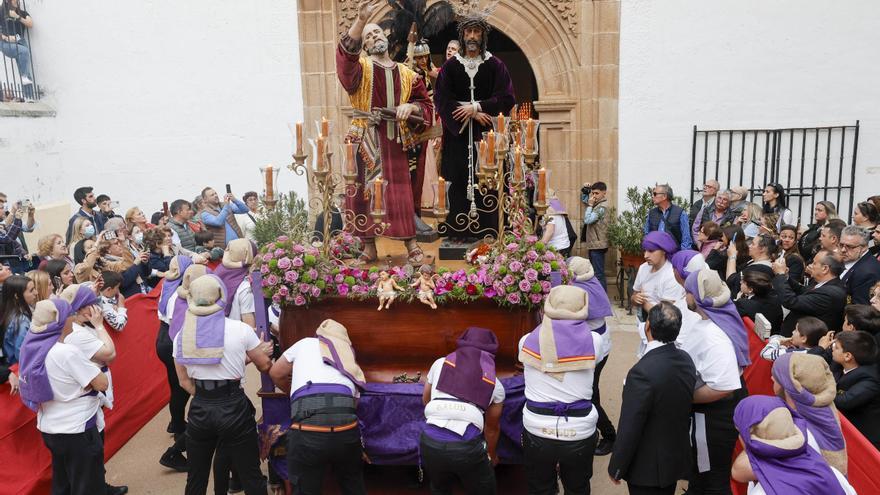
<point x="269" y="202"/>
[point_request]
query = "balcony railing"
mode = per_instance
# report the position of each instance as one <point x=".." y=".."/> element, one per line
<point x="17" y="76"/>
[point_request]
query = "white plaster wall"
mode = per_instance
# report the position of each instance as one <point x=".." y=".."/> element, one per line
<point x="156" y="99"/>
<point x="732" y="64"/>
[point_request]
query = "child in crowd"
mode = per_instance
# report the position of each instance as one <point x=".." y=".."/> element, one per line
<point x="858" y="388"/>
<point x="862" y="317"/>
<point x="205" y="244"/>
<point x="112" y="302"/>
<point x="804" y="338"/>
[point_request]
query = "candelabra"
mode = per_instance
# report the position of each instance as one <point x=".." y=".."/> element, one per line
<point x="505" y="156"/>
<point x="324" y="182"/>
<point x="268" y="198"/>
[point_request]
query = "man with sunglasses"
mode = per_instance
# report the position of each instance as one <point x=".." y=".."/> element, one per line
<point x="668" y="217"/>
<point x="825" y="299"/>
<point x="862" y="270"/>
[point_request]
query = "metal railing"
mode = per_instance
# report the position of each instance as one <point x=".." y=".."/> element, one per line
<point x="812" y="164"/>
<point x="17" y="77"/>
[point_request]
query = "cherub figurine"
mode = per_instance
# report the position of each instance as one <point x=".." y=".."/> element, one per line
<point x="386" y="287"/>
<point x="426" y="286"/>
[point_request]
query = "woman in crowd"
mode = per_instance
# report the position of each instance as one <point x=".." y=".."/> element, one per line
<point x="865" y="216"/>
<point x="248" y="221"/>
<point x="135" y="217"/>
<point x="717" y="257"/>
<point x="52" y="247"/>
<point x="750" y="220"/>
<point x="42" y="282"/>
<point x="60" y="273"/>
<point x="82" y="229"/>
<point x="111" y="255"/>
<point x="19" y="298"/>
<point x="81" y="248"/>
<point x="556" y="231"/>
<point x="774" y="202"/>
<point x="158" y="242"/>
<point x="793" y="259"/>
<point x="762" y="251"/>
<point x="708" y="237"/>
<point x="809" y="241"/>
<point x="757" y="296"/>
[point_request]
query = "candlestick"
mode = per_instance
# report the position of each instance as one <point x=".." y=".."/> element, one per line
<point x="377" y="195"/>
<point x="530" y="135"/>
<point x="542" y="185"/>
<point x="319" y="163"/>
<point x="299" y="138"/>
<point x="269" y="182"/>
<point x="441" y="193"/>
<point x="517" y="168"/>
<point x="325" y="127"/>
<point x="483" y="155"/>
<point x="490" y="141"/>
<point x="501" y="124"/>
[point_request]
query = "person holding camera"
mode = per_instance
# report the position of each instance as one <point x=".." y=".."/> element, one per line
<point x="594" y="233"/>
<point x="110" y="254"/>
<point x="220" y="219"/>
<point x="27" y="215"/>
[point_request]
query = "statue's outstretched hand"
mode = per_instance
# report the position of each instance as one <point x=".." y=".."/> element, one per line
<point x="366" y="9"/>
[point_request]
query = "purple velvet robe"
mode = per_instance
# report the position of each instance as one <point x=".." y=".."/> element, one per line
<point x="398" y="198"/>
<point x="493" y="90"/>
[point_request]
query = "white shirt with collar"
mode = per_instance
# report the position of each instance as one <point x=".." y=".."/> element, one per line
<point x="309" y="367"/>
<point x="70" y="375"/>
<point x="710" y="349"/>
<point x="850" y="264"/>
<point x="238" y="339"/>
<point x="455" y="415"/>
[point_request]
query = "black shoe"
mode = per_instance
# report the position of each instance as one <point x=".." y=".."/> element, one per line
<point x="116" y="490"/>
<point x="170" y="427"/>
<point x="604" y="447"/>
<point x="174" y="460"/>
<point x="234" y="485"/>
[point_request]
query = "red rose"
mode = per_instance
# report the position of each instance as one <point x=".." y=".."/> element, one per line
<point x="471" y="290"/>
<point x="449" y="286"/>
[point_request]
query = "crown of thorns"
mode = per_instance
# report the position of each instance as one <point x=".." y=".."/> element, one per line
<point x="475" y="14"/>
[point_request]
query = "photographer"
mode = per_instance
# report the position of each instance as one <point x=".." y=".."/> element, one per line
<point x="594" y="233"/>
<point x="110" y="254"/>
<point x="28" y="217"/>
<point x="10" y="230"/>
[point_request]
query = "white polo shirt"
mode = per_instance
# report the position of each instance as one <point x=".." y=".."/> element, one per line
<point x="455" y="415"/>
<point x="86" y="340"/>
<point x="606" y="338"/>
<point x="710" y="349"/>
<point x="238" y="339"/>
<point x="169" y="309"/>
<point x="657" y="286"/>
<point x="70" y="374"/>
<point x="575" y="386"/>
<point x="309" y="366"/>
<point x="243" y="302"/>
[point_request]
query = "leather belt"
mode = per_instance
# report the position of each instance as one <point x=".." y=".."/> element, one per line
<point x="324" y="429"/>
<point x="209" y="385"/>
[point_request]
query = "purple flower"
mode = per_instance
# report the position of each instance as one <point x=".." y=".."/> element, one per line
<point x="297" y="262"/>
<point x="512" y="247"/>
<point x="278" y="252"/>
<point x="549" y="256"/>
<point x="489" y="292"/>
<point x="283" y="291"/>
<point x="264" y="269"/>
<point x="284" y="263"/>
<point x="304" y="288"/>
<point x="316" y="292"/>
<point x="545" y="285"/>
<point x="339" y="278"/>
<point x="508" y="280"/>
<point x="267" y="257"/>
<point x="299" y="249"/>
<point x="513" y="298"/>
<point x="283" y="238"/>
<point x="291" y="276"/>
<point x="536" y="298"/>
<point x="502" y="258"/>
<point x="499" y="287"/>
<point x="374" y="276"/>
<point x="531" y="239"/>
<point x="276" y="299"/>
<point x="515" y="266"/>
<point x="270" y="246"/>
<point x="546" y="269"/>
<point x="272" y="280"/>
<point x="525" y="286"/>
<point x="299" y="300"/>
<point x="531" y="275"/>
<point x="342" y="289"/>
<point x="314" y="274"/>
<point x="532" y="255"/>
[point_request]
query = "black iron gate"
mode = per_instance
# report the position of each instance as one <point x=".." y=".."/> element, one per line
<point x="812" y="163"/>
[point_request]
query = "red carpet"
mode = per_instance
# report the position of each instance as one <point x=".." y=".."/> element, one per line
<point x="140" y="391"/>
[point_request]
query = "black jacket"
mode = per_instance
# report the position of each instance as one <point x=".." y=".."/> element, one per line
<point x="825" y="303"/>
<point x="768" y="306"/>
<point x="858" y="398"/>
<point x="860" y="278"/>
<point x="653" y="437"/>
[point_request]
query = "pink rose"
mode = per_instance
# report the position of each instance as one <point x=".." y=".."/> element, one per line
<point x="304" y="288"/>
<point x="267" y="257"/>
<point x="298" y="248"/>
<point x="342" y="289"/>
<point x="297" y="262"/>
<point x="339" y="278"/>
<point x="513" y="298"/>
<point x="536" y="298"/>
<point x="284" y="263"/>
<point x="264" y="269"/>
<point x="272" y="280"/>
<point x="515" y="266"/>
<point x="283" y="291"/>
<point x="525" y="286"/>
<point x="291" y="276"/>
<point x="531" y="275"/>
<point x="299" y="300"/>
<point x="545" y="285"/>
<point x="278" y="252"/>
<point x="316" y="292"/>
<point x="276" y="299"/>
<point x="283" y="238"/>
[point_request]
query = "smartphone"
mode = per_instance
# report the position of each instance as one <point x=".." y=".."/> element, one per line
<point x="165" y="208"/>
<point x="109" y="235"/>
<point x="734" y="237"/>
<point x="228" y="189"/>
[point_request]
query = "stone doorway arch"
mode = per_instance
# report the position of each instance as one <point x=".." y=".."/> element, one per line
<point x="573" y="48"/>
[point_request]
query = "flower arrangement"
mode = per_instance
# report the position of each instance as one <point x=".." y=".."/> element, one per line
<point x="516" y="275"/>
<point x="519" y="273"/>
<point x="345" y="246"/>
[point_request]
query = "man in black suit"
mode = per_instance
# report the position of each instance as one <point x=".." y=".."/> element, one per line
<point x="652" y="451"/>
<point x="825" y="299"/>
<point x="861" y="270"/>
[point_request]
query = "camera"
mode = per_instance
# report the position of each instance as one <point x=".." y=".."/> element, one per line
<point x="587" y="189"/>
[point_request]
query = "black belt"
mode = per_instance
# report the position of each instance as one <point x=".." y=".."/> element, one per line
<point x="217" y="385"/>
<point x="328" y="410"/>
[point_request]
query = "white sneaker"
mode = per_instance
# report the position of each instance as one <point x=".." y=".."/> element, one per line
<point x="25" y="81"/>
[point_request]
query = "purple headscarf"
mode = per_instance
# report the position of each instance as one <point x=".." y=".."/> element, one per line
<point x="789" y="466"/>
<point x="180" y="305"/>
<point x="720" y="309"/>
<point x="599" y="306"/>
<point x="84" y="296"/>
<point x="660" y="240"/>
<point x="469" y="372"/>
<point x="207" y="332"/>
<point x="233" y="277"/>
<point x="170" y="285"/>
<point x="822" y="420"/>
<point x="684" y="264"/>
<point x="35" y="387"/>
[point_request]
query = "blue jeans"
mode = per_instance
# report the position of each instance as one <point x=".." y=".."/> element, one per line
<point x="22" y="55"/>
<point x="597" y="259"/>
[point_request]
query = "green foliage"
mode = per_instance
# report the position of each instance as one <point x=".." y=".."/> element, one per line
<point x="627" y="229"/>
<point x="290" y="217"/>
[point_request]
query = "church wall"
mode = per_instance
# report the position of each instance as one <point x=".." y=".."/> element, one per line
<point x="156" y="100"/>
<point x="743" y="64"/>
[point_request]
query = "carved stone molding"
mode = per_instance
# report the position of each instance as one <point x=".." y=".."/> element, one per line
<point x="568" y="11"/>
<point x="348" y="11"/>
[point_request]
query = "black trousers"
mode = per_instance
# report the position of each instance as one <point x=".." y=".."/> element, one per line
<point x="77" y="462"/>
<point x="651" y="490"/>
<point x="574" y="458"/>
<point x="604" y="425"/>
<point x="310" y="453"/>
<point x="714" y="438"/>
<point x="443" y="462"/>
<point x="179" y="396"/>
<point x="223" y="424"/>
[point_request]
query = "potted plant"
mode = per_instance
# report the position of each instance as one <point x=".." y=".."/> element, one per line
<point x="627" y="229"/>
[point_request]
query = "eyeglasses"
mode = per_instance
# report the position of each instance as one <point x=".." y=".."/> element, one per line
<point x="655" y="193"/>
<point x="849" y="246"/>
